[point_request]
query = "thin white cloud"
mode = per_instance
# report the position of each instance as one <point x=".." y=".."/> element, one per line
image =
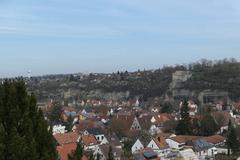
<point x="7" y="29"/>
<point x="60" y="30"/>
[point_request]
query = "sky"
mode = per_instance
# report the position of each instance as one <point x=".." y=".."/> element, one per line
<point x="69" y="36"/>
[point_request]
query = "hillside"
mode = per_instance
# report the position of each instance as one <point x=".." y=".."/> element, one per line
<point x="221" y="75"/>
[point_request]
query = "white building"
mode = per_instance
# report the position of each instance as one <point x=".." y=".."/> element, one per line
<point x="137" y="146"/>
<point x="188" y="154"/>
<point x="58" y="129"/>
<point x="160" y="146"/>
<point x="97" y="132"/>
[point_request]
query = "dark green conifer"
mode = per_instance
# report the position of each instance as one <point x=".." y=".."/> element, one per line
<point x="184" y="124"/>
<point x="232" y="140"/>
<point x="78" y="153"/>
<point x="24" y="133"/>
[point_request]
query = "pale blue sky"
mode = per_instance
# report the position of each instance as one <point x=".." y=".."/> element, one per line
<point x="66" y="36"/>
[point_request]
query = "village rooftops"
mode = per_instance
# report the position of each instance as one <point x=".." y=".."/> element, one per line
<point x="113" y="139"/>
<point x="161" y="142"/>
<point x="215" y="139"/>
<point x="146" y="154"/>
<point x="95" y="131"/>
<point x="84" y="125"/>
<point x="184" y="138"/>
<point x="199" y="145"/>
<point x="105" y="149"/>
<point x="65" y="138"/>
<point x="89" y="140"/>
<point x="65" y="150"/>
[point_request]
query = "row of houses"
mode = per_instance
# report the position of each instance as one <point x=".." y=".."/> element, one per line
<point x="94" y="142"/>
<point x="184" y="146"/>
<point x="99" y="131"/>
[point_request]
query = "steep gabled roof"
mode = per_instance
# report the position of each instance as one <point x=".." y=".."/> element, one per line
<point x="89" y="140"/>
<point x="161" y="142"/>
<point x="145" y="121"/>
<point x="95" y="131"/>
<point x="124" y="120"/>
<point x="144" y="139"/>
<point x="65" y="138"/>
<point x="162" y="117"/>
<point x="83" y="125"/>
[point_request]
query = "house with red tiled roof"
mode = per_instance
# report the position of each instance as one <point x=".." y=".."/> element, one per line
<point x="159" y="119"/>
<point x="97" y="132"/>
<point x="89" y="142"/>
<point x="65" y="150"/>
<point x="160" y="146"/>
<point x="67" y="138"/>
<point x="130" y="123"/>
<point x="179" y="141"/>
<point x="122" y="123"/>
<point x="157" y="122"/>
<point x="83" y="125"/>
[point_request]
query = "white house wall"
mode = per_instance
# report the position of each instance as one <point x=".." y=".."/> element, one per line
<point x="137" y="146"/>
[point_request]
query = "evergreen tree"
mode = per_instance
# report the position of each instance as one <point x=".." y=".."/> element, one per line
<point x="110" y="154"/>
<point x="2" y="137"/>
<point x="208" y="126"/>
<point x="196" y="127"/>
<point x="24" y="134"/>
<point x="55" y="113"/>
<point x="69" y="124"/>
<point x="78" y="153"/>
<point x="167" y="108"/>
<point x="184" y="124"/>
<point x="232" y="140"/>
